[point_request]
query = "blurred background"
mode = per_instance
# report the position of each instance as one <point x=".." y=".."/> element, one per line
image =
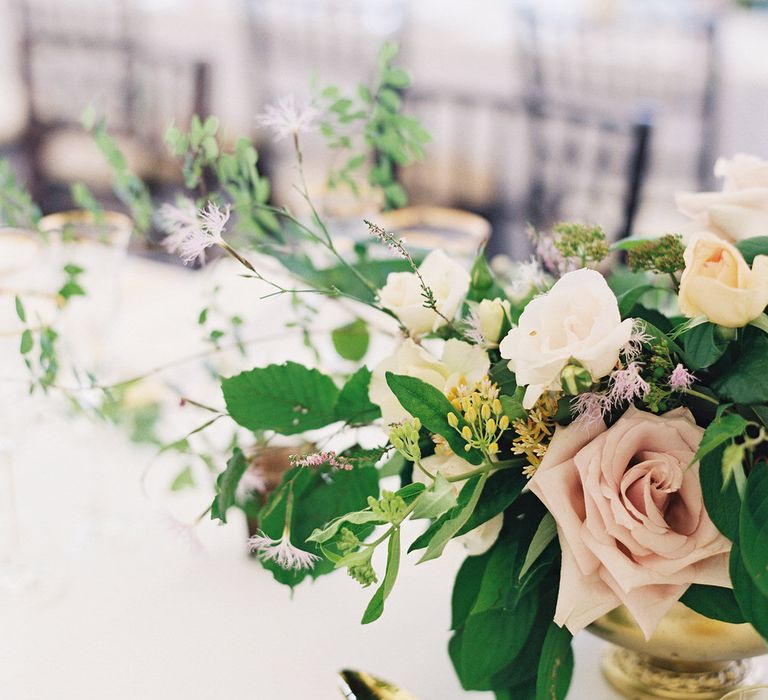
<point x="596" y="110"/>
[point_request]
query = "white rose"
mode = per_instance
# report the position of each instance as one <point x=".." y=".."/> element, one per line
<point x="741" y="209"/>
<point x="459" y="362"/>
<point x="481" y="539"/>
<point x="402" y="293"/>
<point x="489" y="316"/>
<point x="718" y="283"/>
<point x="578" y="319"/>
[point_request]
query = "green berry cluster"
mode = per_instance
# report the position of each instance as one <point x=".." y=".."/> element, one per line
<point x="663" y="255"/>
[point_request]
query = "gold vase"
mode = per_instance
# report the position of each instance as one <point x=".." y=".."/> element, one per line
<point x="689" y="656"/>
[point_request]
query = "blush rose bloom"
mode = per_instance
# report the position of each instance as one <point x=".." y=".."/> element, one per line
<point x="578" y="319"/>
<point x="402" y="293"/>
<point x="741" y="209"/>
<point x="482" y="538"/>
<point x="459" y="361"/>
<point x="718" y="283"/>
<point x="630" y="517"/>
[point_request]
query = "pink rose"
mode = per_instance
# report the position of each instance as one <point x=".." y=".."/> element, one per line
<point x="630" y="517"/>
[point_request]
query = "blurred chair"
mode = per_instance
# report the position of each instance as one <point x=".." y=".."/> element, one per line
<point x="76" y="55"/>
<point x="586" y="167"/>
<point x="648" y="56"/>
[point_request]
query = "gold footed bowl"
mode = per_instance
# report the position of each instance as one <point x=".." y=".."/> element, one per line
<point x="689" y="656"/>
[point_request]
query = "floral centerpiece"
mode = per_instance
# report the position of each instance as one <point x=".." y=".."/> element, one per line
<point x="593" y="439"/>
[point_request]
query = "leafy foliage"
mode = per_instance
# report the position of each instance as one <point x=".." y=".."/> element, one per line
<point x="226" y="485"/>
<point x="351" y="340"/>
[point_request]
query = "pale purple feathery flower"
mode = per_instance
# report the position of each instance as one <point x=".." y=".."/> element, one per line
<point x="633" y="348"/>
<point x="192" y="231"/>
<point x="474" y="329"/>
<point x="288" y="116"/>
<point x="281" y="551"/>
<point x="319" y="459"/>
<point x="626" y="385"/>
<point x="590" y="408"/>
<point x="681" y="379"/>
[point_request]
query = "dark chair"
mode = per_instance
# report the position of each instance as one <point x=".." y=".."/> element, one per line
<point x="649" y="57"/>
<point x="72" y="60"/>
<point x="586" y="167"/>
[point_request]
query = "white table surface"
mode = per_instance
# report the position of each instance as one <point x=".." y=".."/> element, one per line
<point x="149" y="609"/>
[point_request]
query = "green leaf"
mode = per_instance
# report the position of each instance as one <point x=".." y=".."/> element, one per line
<point x="351" y="341"/>
<point x="751" y="600"/>
<point x="26" y="342"/>
<point x="20" y="311"/>
<point x="721" y="430"/>
<point x="512" y="406"/>
<point x="226" y="485"/>
<point x="703" y="346"/>
<point x="503" y="377"/>
<point x="361" y="517"/>
<point x="184" y="479"/>
<point x="753" y="527"/>
<point x="502" y="490"/>
<point x="376" y="606"/>
<point x="555" y="665"/>
<point x="745" y="381"/>
<point x="288" y="398"/>
<point x="722" y="501"/>
<point x="733" y="466"/>
<point x="436" y="499"/>
<point x="631" y="297"/>
<point x="397" y="78"/>
<point x="714" y="602"/>
<point x="431" y="407"/>
<point x="750" y="248"/>
<point x="466" y="587"/>
<point x="545" y="533"/>
<point x="353" y="405"/>
<point x="456" y="518"/>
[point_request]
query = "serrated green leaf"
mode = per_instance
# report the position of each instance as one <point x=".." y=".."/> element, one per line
<point x="288" y="398"/>
<point x="354" y="405"/>
<point x="226" y="485"/>
<point x="436" y="499"/>
<point x="351" y="340"/>
<point x="431" y="407"/>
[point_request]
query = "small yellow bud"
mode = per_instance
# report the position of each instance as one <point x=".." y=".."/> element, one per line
<point x="485" y="411"/>
<point x="417" y="424"/>
<point x="496" y="406"/>
<point x="456" y="404"/>
<point x="466" y="433"/>
<point x="504" y="422"/>
<point x="493" y="448"/>
<point x="470" y="414"/>
<point x="467" y="447"/>
<point x="490" y="426"/>
<point x="453" y="420"/>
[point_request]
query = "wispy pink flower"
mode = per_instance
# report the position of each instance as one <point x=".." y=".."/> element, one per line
<point x="626" y="385"/>
<point x="288" y="116"/>
<point x="281" y="551"/>
<point x="590" y="408"/>
<point x="191" y="231"/>
<point x="681" y="379"/>
<point x="319" y="459"/>
<point x="474" y="329"/>
<point x="634" y="346"/>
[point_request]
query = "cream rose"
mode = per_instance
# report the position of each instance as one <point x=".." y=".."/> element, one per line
<point x="741" y="209"/>
<point x="459" y="362"/>
<point x="630" y="517"/>
<point x="578" y="319"/>
<point x="489" y="316"/>
<point x="481" y="539"/>
<point x="718" y="283"/>
<point x="402" y="293"/>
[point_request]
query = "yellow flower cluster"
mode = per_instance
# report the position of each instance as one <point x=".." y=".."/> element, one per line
<point x="484" y="422"/>
<point x="535" y="432"/>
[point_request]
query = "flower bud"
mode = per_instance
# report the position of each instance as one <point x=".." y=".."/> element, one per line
<point x="490" y="426"/>
<point x="496" y="405"/>
<point x="575" y="379"/>
<point x="485" y="411"/>
<point x="453" y="421"/>
<point x="504" y="422"/>
<point x="470" y="415"/>
<point x="466" y="433"/>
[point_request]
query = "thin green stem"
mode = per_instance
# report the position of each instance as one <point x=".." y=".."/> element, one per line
<point x="700" y="395"/>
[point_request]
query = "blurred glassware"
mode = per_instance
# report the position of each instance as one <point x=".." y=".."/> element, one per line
<point x="452" y="230"/>
<point x="359" y="685"/>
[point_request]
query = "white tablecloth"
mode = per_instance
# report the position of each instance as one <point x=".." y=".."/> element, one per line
<point x="148" y="609"/>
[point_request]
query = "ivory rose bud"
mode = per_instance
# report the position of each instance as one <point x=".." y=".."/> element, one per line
<point x="630" y="517"/>
<point x="718" y="283"/>
<point x="459" y="361"/>
<point x="402" y="293"/>
<point x="741" y="209"/>
<point x="489" y="316"/>
<point x="482" y="538"/>
<point x="578" y="319"/>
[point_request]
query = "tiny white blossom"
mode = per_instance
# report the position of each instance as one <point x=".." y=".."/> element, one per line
<point x="191" y="231"/>
<point x="288" y="117"/>
<point x="281" y="551"/>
